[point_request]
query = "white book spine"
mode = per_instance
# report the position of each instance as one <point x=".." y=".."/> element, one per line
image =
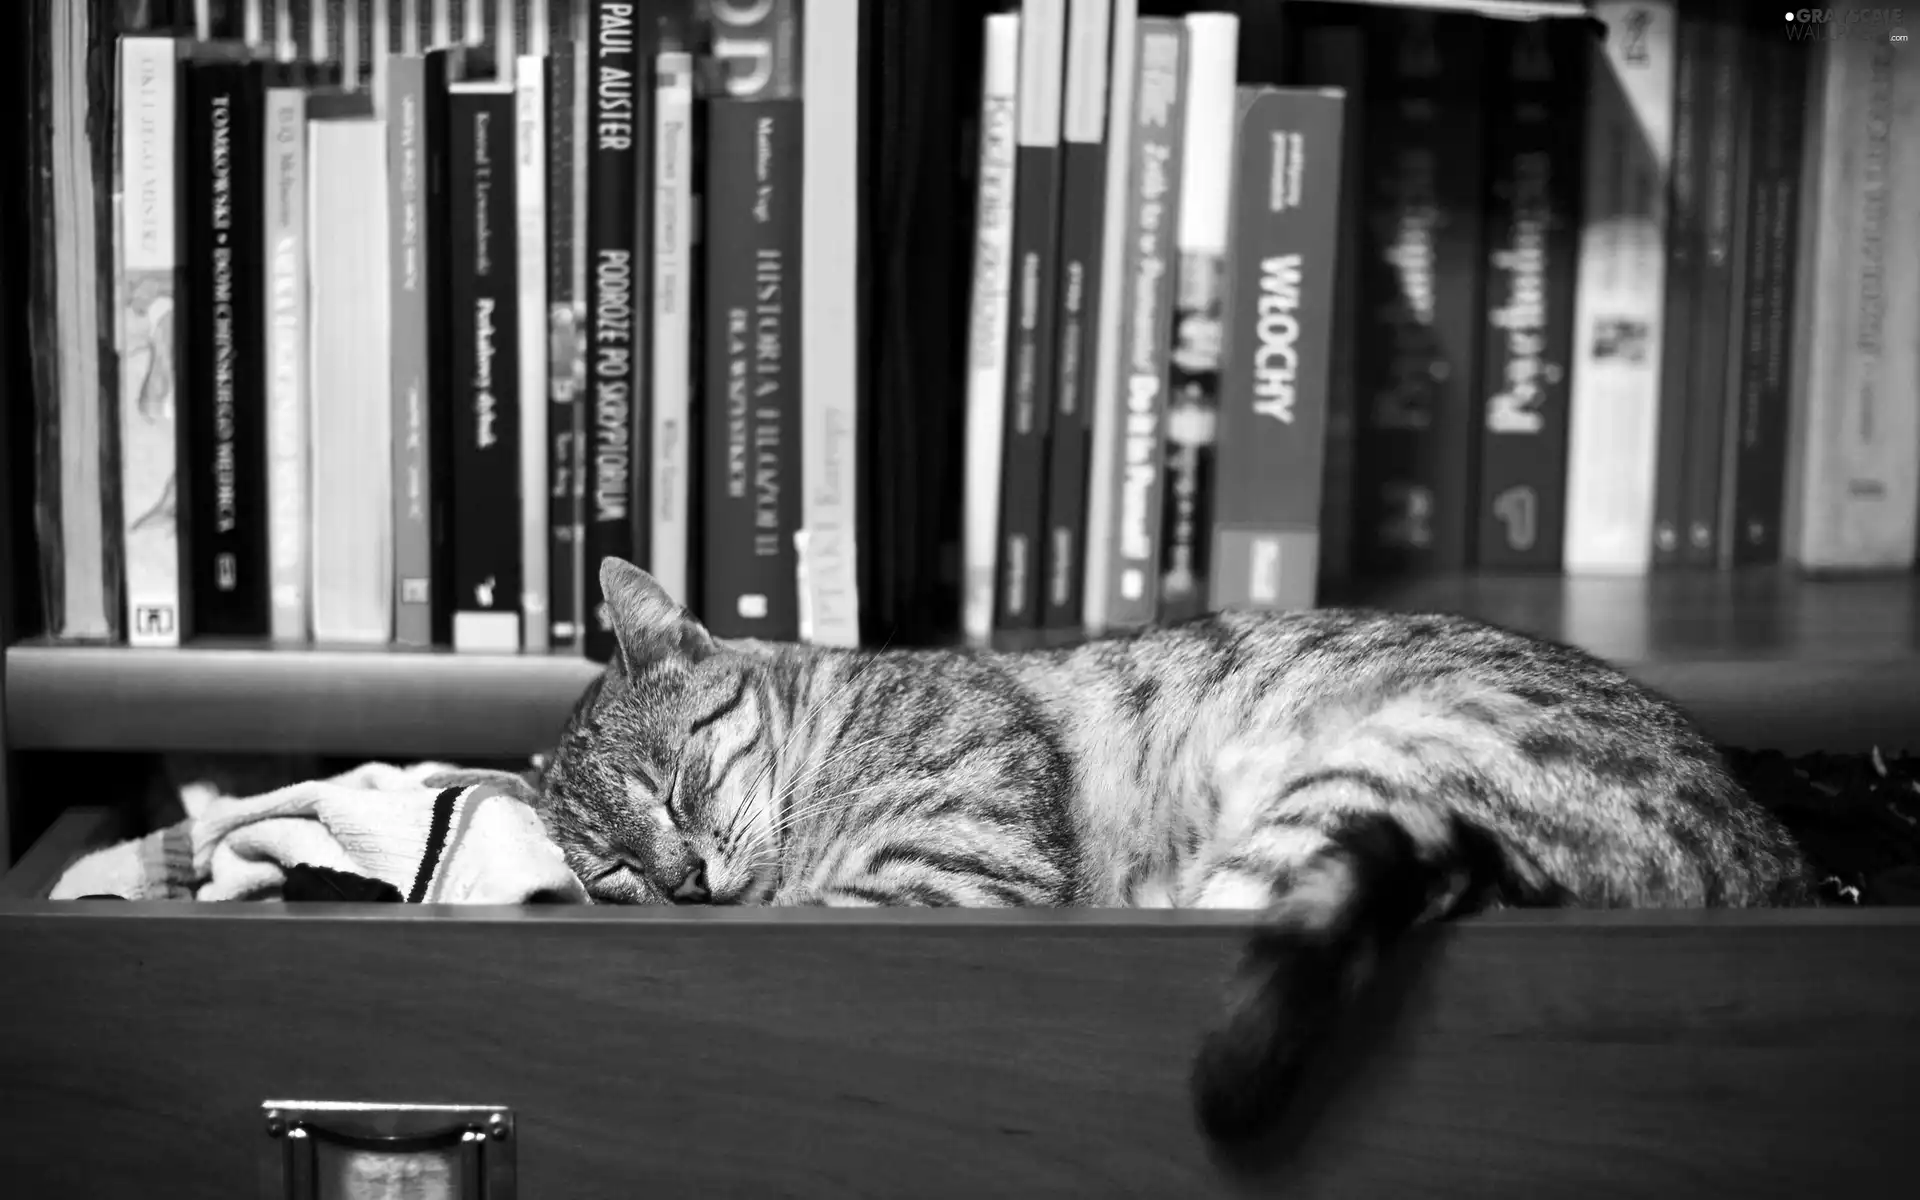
<point x="286" y="291"/>
<point x="351" y="373"/>
<point x="1853" y="473"/>
<point x="1620" y="299"/>
<point x="1109" y="322"/>
<point x="672" y="329"/>
<point x="987" y="334"/>
<point x="829" y="579"/>
<point x="148" y="338"/>
<point x="530" y="217"/>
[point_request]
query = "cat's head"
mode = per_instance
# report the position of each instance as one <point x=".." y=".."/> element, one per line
<point x="661" y="790"/>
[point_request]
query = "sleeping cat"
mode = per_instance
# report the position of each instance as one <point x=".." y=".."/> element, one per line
<point x="1352" y="773"/>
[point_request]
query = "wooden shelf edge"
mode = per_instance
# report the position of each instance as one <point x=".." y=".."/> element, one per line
<point x="703" y="922"/>
<point x="419" y="703"/>
<point x="373" y="702"/>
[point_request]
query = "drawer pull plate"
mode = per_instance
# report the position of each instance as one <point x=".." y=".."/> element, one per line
<point x="333" y="1150"/>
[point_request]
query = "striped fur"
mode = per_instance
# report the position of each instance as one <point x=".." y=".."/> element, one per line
<point x="1351" y="773"/>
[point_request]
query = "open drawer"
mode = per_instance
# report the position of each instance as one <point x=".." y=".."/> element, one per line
<point x="946" y="1053"/>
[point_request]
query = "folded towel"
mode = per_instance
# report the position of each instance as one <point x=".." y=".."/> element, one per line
<point x="434" y="833"/>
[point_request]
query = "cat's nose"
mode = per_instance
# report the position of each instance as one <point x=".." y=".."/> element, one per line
<point x="693" y="888"/>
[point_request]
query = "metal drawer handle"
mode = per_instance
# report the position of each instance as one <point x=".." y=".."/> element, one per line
<point x="481" y="1136"/>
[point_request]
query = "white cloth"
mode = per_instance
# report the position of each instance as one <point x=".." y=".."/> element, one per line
<point x="373" y="821"/>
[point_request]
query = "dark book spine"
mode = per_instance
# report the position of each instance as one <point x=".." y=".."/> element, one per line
<point x="441" y="67"/>
<point x="1274" y="375"/>
<point x="1083" y="201"/>
<point x="482" y="303"/>
<point x="1334" y="55"/>
<point x="1534" y="158"/>
<point x="751" y="438"/>
<point x="1773" y="232"/>
<point x="1425" y="265"/>
<point x="1031" y="317"/>
<point x="1715" y="338"/>
<point x="1692" y="44"/>
<point x="223" y="448"/>
<point x="567" y="362"/>
<point x="612" y="523"/>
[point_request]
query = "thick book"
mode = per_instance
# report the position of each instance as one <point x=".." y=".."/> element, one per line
<point x="1193" y="394"/>
<point x="482" y="302"/>
<point x="1853" y="479"/>
<point x="1333" y="54"/>
<point x="1083" y="184"/>
<point x="1533" y="231"/>
<point x="616" y="291"/>
<point x="147" y="249"/>
<point x="415" y="290"/>
<point x="1031" y="316"/>
<point x="531" y="329"/>
<point x="987" y="325"/>
<point x="1135" y="444"/>
<point x="1758" y="451"/>
<point x="1425" y="264"/>
<point x="1275" y="376"/>
<point x="751" y="454"/>
<point x="670" y="497"/>
<point x="351" y="381"/>
<point x="223" y="449"/>
<point x="1620" y="290"/>
<point x="833" y="215"/>
<point x="1725" y="102"/>
<point x="566" y="323"/>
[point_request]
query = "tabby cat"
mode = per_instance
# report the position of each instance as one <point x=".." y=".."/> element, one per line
<point x="1352" y="773"/>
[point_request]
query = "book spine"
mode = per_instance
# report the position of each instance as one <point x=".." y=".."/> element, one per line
<point x="1334" y="55"/>
<point x="1083" y="167"/>
<point x="148" y="251"/>
<point x="413" y="293"/>
<point x="1194" y="363"/>
<point x="222" y="485"/>
<point x="1620" y="293"/>
<point x="987" y="331"/>
<point x="482" y="299"/>
<point x="1107" y="413"/>
<point x="1532" y="244"/>
<point x="1692" y="44"/>
<point x="1773" y="223"/>
<point x="349" y="262"/>
<point x="752" y="369"/>
<point x="1715" y="333"/>
<point x="1031" y="318"/>
<point x="830" y="372"/>
<point x="669" y="481"/>
<point x="436" y="234"/>
<point x="1153" y="219"/>
<point x="1274" y="385"/>
<point x="1853" y="486"/>
<point x="1426" y="266"/>
<point x="615" y="286"/>
<point x="566" y="330"/>
<point x="285" y="253"/>
<point x="531" y="315"/>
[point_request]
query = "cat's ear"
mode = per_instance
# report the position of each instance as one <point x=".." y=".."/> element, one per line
<point x="649" y="624"/>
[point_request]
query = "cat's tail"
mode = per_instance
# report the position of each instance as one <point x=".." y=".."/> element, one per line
<point x="1340" y="880"/>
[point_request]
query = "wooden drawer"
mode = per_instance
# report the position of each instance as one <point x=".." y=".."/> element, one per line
<point x="926" y="1054"/>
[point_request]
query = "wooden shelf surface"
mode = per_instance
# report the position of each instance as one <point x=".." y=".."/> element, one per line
<point x="1762" y="659"/>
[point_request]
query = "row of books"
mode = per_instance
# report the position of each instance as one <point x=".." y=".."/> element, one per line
<point x="1261" y="299"/>
<point x="422" y="312"/>
<point x="1608" y="303"/>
